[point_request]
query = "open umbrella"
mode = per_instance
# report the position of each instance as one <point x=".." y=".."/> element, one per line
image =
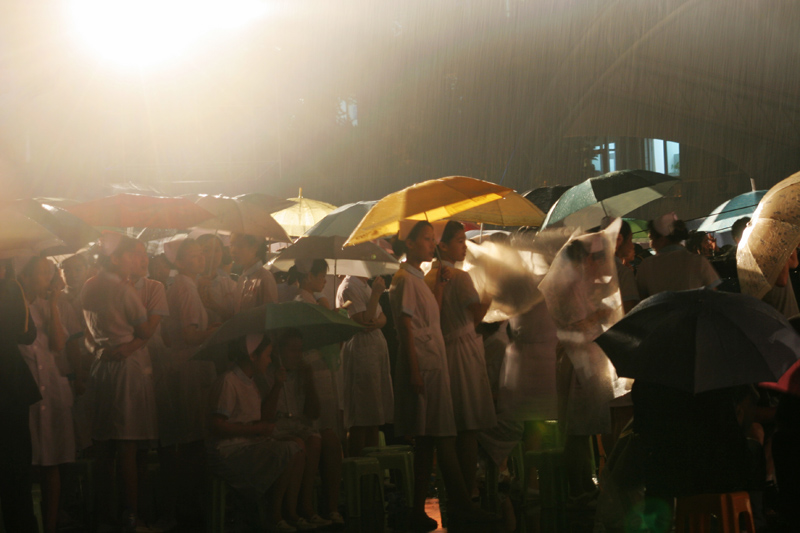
<point x="365" y="259"/>
<point x="237" y="216"/>
<point x="319" y="327"/>
<point x="430" y="200"/>
<point x="770" y="237"/>
<point x="701" y="340"/>
<point x="614" y="194"/>
<point x="298" y="218"/>
<point x="22" y="236"/>
<point x="74" y="232"/>
<point x="341" y="221"/>
<point x="726" y="213"/>
<point x="267" y="202"/>
<point x="545" y="197"/>
<point x="138" y="211"/>
<point x="511" y="210"/>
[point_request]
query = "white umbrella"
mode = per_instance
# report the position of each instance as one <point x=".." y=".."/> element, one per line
<point x="364" y="260"/>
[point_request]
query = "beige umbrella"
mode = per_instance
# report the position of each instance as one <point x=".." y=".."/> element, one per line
<point x="300" y="217"/>
<point x="430" y="200"/>
<point x="511" y="210"/>
<point x="22" y="236"/>
<point x="235" y="216"/>
<point x="770" y="237"/>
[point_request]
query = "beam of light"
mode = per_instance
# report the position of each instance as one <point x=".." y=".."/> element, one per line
<point x="140" y="33"/>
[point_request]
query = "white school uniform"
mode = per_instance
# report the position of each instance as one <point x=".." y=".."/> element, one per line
<point x="327" y="381"/>
<point x="222" y="291"/>
<point x="249" y="464"/>
<point x="367" y="383"/>
<point x="469" y="383"/>
<point x="193" y="379"/>
<point x="256" y="286"/>
<point x="154" y="299"/>
<point x="289" y="418"/>
<point x="122" y="392"/>
<point x="674" y="268"/>
<point x="431" y="413"/>
<point x="70" y="306"/>
<point x="52" y="430"/>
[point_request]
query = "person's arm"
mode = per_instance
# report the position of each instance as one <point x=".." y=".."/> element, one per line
<point x="222" y="427"/>
<point x="406" y="337"/>
<point x="378" y="286"/>
<point x="269" y="406"/>
<point x="478" y="310"/>
<point x="312" y="408"/>
<point x="442" y="277"/>
<point x="56" y="333"/>
<point x="149" y="327"/>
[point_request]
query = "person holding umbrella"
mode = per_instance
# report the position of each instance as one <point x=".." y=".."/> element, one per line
<point x="423" y="402"/>
<point x="256" y="285"/>
<point x="462" y="311"/>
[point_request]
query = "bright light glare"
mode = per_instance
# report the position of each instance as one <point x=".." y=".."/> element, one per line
<point x="147" y="32"/>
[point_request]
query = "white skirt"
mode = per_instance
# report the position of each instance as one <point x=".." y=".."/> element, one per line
<point x="368" y="394"/>
<point x="124" y="399"/>
<point x="473" y="405"/>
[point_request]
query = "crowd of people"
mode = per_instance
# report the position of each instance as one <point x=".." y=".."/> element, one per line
<point x="98" y="361"/>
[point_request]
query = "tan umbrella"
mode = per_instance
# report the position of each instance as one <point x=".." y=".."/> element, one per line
<point x="235" y="216"/>
<point x="267" y="202"/>
<point x="511" y="210"/>
<point x="22" y="236"/>
<point x="770" y="237"/>
<point x="304" y="214"/>
<point x="430" y="200"/>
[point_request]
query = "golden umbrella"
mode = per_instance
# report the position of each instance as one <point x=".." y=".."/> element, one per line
<point x="770" y="237"/>
<point x="511" y="210"/>
<point x="300" y="217"/>
<point x="430" y="200"/>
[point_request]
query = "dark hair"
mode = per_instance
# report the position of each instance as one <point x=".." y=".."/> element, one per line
<point x="126" y="244"/>
<point x="284" y="336"/>
<point x="450" y="230"/>
<point x="679" y="231"/>
<point x="695" y="241"/>
<point x="237" y="349"/>
<point x="399" y="246"/>
<point x="625" y="230"/>
<point x="259" y="243"/>
<point x="201" y="239"/>
<point x="77" y="257"/>
<point x="318" y="266"/>
<point x="184" y="247"/>
<point x="738" y="228"/>
<point x="30" y="265"/>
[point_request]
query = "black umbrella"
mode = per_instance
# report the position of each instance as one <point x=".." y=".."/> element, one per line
<point x="545" y="197"/>
<point x="701" y="340"/>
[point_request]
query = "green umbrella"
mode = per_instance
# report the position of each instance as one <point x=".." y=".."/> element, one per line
<point x="614" y="194"/>
<point x="639" y="229"/>
<point x="319" y="327"/>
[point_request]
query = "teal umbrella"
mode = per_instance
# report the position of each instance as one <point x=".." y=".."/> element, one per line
<point x="341" y="221"/>
<point x="725" y="214"/>
<point x="319" y="327"/>
<point x="614" y="194"/>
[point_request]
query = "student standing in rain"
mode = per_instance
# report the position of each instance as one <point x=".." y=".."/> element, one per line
<point x="462" y="310"/>
<point x="256" y="285"/>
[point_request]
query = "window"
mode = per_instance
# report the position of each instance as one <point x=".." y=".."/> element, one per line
<point x="662" y="156"/>
<point x="605" y="159"/>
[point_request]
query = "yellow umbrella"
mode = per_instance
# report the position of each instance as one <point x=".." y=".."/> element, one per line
<point x="430" y="200"/>
<point x="237" y="216"/>
<point x="770" y="237"/>
<point x="300" y="217"/>
<point x="511" y="210"/>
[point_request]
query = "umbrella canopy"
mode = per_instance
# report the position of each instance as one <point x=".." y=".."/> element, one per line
<point x="138" y="211"/>
<point x="22" y="236"/>
<point x="614" y="194"/>
<point x="701" y="340"/>
<point x="341" y="221"/>
<point x="638" y="229"/>
<point x="511" y="210"/>
<point x="770" y="237"/>
<point x="545" y="197"/>
<point x="267" y="202"/>
<point x="319" y="327"/>
<point x="300" y="217"/>
<point x="430" y="200"/>
<point x="237" y="216"/>
<point x="365" y="259"/>
<point x="74" y="232"/>
<point x="726" y="213"/>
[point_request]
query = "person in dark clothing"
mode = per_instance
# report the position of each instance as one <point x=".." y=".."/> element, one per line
<point x="18" y="391"/>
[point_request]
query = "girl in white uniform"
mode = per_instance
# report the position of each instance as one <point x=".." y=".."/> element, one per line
<point x="122" y="374"/>
<point x="423" y="402"/>
<point x="327" y="371"/>
<point x="462" y="310"/>
<point x="256" y="285"/>
<point x="52" y="432"/>
<point x="368" y="394"/>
